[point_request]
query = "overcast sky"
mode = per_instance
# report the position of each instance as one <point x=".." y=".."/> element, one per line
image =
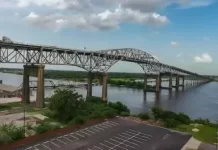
<point x="182" y="33"/>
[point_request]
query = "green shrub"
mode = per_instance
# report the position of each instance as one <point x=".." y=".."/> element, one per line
<point x="109" y="113"/>
<point x="94" y="99"/>
<point x="45" y="126"/>
<point x="170" y="123"/>
<point x="168" y="115"/>
<point x="95" y="114"/>
<point x="119" y="107"/>
<point x="202" y="121"/>
<point x="183" y="118"/>
<point x="157" y="112"/>
<point x="125" y="114"/>
<point x="144" y="116"/>
<point x="78" y="120"/>
<point x="10" y="132"/>
<point x="4" y="107"/>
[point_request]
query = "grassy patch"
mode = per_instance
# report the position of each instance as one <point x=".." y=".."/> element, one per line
<point x="15" y="104"/>
<point x="4" y="107"/>
<point x="206" y="134"/>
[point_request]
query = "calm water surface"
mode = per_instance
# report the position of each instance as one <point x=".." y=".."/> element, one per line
<point x="199" y="101"/>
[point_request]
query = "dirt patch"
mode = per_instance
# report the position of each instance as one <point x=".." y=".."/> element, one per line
<point x="150" y="122"/>
<point x="49" y="134"/>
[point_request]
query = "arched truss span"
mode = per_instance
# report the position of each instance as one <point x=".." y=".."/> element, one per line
<point x="110" y="57"/>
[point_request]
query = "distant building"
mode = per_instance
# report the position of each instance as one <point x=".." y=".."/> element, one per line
<point x="7" y="91"/>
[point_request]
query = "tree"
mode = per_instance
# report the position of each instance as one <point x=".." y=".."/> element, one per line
<point x="65" y="104"/>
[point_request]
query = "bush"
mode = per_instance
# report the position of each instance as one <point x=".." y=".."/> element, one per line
<point x="144" y="116"/>
<point x="109" y="113"/>
<point x="168" y="115"/>
<point x="4" y="107"/>
<point x="157" y="112"/>
<point x="94" y="99"/>
<point x="79" y="120"/>
<point x="202" y="121"/>
<point x="10" y="132"/>
<point x="119" y="107"/>
<point x="45" y="126"/>
<point x="96" y="114"/>
<point x="183" y="118"/>
<point x="170" y="123"/>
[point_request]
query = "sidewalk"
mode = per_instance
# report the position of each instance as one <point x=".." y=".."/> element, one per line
<point x="192" y="144"/>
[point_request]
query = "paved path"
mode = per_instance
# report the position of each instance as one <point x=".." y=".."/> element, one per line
<point x="115" y="134"/>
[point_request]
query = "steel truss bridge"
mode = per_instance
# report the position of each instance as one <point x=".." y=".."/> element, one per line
<point x="102" y="60"/>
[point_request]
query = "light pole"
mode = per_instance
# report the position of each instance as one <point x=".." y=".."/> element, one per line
<point x="24" y="119"/>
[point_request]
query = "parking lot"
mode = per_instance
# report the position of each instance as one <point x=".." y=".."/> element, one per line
<point x="115" y="134"/>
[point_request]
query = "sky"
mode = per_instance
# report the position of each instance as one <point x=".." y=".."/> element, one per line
<point x="182" y="33"/>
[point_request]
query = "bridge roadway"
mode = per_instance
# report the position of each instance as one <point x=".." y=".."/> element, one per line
<point x="36" y="56"/>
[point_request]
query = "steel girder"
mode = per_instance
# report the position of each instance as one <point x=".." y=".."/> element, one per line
<point x="89" y="60"/>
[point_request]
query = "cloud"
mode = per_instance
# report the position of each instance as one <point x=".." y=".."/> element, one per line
<point x="179" y="55"/>
<point x="206" y="38"/>
<point x="204" y="58"/>
<point x="195" y="3"/>
<point x="174" y="43"/>
<point x="96" y="14"/>
<point x="102" y="21"/>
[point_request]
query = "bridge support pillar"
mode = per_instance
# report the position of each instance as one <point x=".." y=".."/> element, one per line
<point x="40" y="87"/>
<point x="89" y="87"/>
<point x="26" y="86"/>
<point x="183" y="82"/>
<point x="177" y="82"/>
<point x="158" y="83"/>
<point x="104" y="87"/>
<point x="145" y="81"/>
<point x="170" y="81"/>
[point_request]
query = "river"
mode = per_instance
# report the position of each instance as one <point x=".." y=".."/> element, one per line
<point x="199" y="101"/>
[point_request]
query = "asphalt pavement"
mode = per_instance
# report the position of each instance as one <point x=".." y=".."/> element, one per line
<point x="114" y="134"/>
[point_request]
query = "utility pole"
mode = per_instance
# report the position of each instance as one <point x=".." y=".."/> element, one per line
<point x="24" y="120"/>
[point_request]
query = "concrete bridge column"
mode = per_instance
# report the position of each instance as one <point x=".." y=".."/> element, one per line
<point x="177" y="82"/>
<point x="145" y="81"/>
<point x="26" y="86"/>
<point x="183" y="82"/>
<point x="104" y="87"/>
<point x="170" y="81"/>
<point x="158" y="83"/>
<point x="89" y="87"/>
<point x="40" y="87"/>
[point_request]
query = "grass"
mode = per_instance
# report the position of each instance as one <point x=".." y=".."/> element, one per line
<point x="206" y="134"/>
<point x="8" y="106"/>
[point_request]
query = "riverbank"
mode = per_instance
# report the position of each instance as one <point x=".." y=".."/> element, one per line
<point x="93" y="108"/>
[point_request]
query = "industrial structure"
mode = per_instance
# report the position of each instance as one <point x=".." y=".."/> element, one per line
<point x="36" y="56"/>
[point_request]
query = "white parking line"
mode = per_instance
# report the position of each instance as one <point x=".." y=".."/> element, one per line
<point x="121" y="143"/>
<point x="136" y="137"/>
<point x="89" y="130"/>
<point x="29" y="148"/>
<point x="46" y="146"/>
<point x="78" y="134"/>
<point x="98" y="147"/>
<point x="103" y="126"/>
<point x="73" y="136"/>
<point x="60" y="140"/>
<point x="67" y="138"/>
<point x="54" y="144"/>
<point x="36" y="147"/>
<point x="85" y="133"/>
<point x="141" y="133"/>
<point x="131" y="139"/>
<point x="107" y="125"/>
<point x="98" y="128"/>
<point x="115" y="144"/>
<point x="105" y="145"/>
<point x="111" y="122"/>
<point x="141" y="136"/>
